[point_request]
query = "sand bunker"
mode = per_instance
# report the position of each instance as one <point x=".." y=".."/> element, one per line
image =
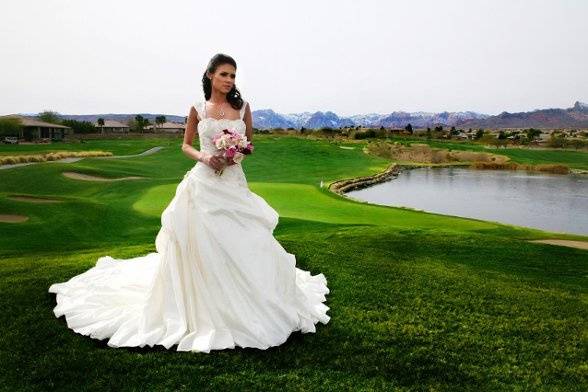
<point x="33" y="199"/>
<point x="88" y="177"/>
<point x="571" y="244"/>
<point x="12" y="218"/>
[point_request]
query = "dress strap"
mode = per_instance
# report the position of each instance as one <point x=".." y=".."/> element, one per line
<point x="200" y="110"/>
<point x="242" y="111"/>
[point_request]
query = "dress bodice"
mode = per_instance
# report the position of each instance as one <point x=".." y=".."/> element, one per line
<point x="209" y="126"/>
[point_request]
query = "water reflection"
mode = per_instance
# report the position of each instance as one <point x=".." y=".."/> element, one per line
<point x="545" y="201"/>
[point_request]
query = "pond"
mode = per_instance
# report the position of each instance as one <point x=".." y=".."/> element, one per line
<point x="552" y="202"/>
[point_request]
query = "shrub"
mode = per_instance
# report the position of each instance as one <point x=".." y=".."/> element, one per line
<point x="552" y="168"/>
<point x="365" y="134"/>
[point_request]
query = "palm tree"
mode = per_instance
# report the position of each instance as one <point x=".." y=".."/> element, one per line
<point x="101" y="125"/>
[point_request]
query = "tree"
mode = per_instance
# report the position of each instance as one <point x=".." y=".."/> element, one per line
<point x="479" y="134"/>
<point x="532" y="133"/>
<point x="49" y="116"/>
<point x="100" y="122"/>
<point x="429" y="134"/>
<point x="140" y="123"/>
<point x="80" y="126"/>
<point x="501" y="135"/>
<point x="159" y="120"/>
<point x="409" y="128"/>
<point x="10" y="126"/>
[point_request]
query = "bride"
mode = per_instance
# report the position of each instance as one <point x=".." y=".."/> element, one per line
<point x="218" y="278"/>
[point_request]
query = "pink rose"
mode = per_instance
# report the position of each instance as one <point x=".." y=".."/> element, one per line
<point x="230" y="152"/>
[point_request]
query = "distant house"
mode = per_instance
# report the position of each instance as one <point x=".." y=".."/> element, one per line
<point x="170" y="127"/>
<point x="111" y="126"/>
<point x="34" y="129"/>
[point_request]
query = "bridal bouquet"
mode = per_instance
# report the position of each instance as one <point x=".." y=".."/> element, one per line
<point x="234" y="146"/>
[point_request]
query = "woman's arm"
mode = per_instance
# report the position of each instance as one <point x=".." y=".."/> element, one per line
<point x="191" y="131"/>
<point x="248" y="118"/>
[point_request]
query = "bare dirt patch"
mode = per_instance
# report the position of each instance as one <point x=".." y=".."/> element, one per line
<point x="423" y="153"/>
<point x="33" y="199"/>
<point x="571" y="244"/>
<point x="88" y="177"/>
<point x="13" y="218"/>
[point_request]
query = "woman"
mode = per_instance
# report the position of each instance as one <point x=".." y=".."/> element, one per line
<point x="218" y="278"/>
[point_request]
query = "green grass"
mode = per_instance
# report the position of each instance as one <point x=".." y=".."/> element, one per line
<point x="574" y="159"/>
<point x="418" y="301"/>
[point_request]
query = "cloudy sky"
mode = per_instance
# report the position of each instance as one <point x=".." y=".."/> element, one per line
<point x="350" y="57"/>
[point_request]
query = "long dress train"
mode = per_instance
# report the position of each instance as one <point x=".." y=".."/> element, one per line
<point x="218" y="278"/>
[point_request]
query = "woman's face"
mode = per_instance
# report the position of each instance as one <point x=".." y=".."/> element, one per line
<point x="223" y="78"/>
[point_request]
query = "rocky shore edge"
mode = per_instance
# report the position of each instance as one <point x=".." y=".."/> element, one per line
<point x="352" y="184"/>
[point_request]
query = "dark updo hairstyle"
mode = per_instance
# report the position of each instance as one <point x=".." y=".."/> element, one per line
<point x="233" y="96"/>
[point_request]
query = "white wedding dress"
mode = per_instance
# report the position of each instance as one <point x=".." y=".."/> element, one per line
<point x="218" y="278"/>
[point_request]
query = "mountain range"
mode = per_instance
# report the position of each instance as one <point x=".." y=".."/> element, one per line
<point x="574" y="117"/>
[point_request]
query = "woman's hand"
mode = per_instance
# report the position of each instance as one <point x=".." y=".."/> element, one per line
<point x="217" y="162"/>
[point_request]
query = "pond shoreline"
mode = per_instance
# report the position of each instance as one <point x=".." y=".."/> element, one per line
<point x="352" y="184"/>
<point x="341" y="187"/>
<point x="392" y="171"/>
